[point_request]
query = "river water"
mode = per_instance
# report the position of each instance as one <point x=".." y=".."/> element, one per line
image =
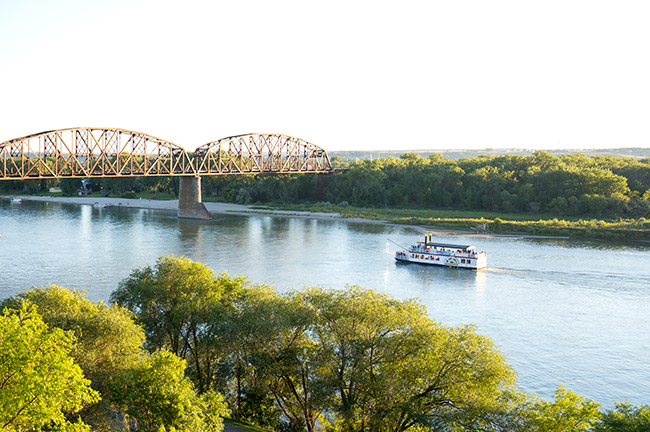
<point x="564" y="312"/>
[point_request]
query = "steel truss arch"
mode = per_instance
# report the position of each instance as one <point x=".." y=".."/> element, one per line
<point x="91" y="152"/>
<point x="260" y="153"/>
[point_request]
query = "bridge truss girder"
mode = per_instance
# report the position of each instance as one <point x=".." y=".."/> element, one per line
<point x="260" y="153"/>
<point x="91" y="152"/>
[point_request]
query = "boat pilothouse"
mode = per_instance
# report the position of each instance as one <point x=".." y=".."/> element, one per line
<point x="443" y="254"/>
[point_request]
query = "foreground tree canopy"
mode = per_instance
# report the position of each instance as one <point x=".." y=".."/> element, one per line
<point x="140" y="391"/>
<point x="39" y="381"/>
<point x="177" y="338"/>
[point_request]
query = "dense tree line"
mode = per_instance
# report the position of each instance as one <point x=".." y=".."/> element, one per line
<point x="177" y="338"/>
<point x="568" y="185"/>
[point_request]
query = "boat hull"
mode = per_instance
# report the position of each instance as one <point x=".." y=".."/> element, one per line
<point x="442" y="260"/>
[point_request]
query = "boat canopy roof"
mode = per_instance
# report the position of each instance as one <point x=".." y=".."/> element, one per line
<point x="448" y="245"/>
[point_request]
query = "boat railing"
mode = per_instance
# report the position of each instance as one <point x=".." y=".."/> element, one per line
<point x="440" y="251"/>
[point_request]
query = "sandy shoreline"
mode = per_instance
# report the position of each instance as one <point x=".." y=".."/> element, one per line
<point x="216" y="208"/>
<point x="170" y="205"/>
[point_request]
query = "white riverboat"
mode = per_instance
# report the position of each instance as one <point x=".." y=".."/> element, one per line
<point x="443" y="254"/>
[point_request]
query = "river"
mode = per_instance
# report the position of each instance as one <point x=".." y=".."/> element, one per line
<point x="564" y="312"/>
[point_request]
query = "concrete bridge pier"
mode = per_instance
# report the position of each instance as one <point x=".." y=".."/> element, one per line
<point x="190" y="205"/>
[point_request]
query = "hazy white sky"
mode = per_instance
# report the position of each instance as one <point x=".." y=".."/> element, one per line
<point x="345" y="75"/>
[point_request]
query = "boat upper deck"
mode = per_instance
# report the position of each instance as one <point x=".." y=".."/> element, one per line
<point x="446" y="245"/>
<point x="428" y="246"/>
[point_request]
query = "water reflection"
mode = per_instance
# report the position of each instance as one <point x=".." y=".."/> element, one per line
<point x="481" y="281"/>
<point x="367" y="227"/>
<point x="429" y="276"/>
<point x="190" y="229"/>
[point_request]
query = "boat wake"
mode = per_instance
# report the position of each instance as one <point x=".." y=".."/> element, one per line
<point x="505" y="271"/>
<point x="617" y="281"/>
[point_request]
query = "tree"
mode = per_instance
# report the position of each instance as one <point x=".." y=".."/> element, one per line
<point x="569" y="412"/>
<point x="70" y="186"/>
<point x="39" y="381"/>
<point x="279" y="186"/>
<point x="625" y="418"/>
<point x="156" y="396"/>
<point x="382" y="364"/>
<point x="364" y="184"/>
<point x="166" y="299"/>
<point x="109" y="346"/>
<point x="294" y="363"/>
<point x="237" y="340"/>
<point x="217" y="324"/>
<point x="108" y="341"/>
<point x="177" y="302"/>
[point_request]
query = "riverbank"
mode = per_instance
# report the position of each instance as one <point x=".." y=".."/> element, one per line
<point x="172" y="205"/>
<point x="443" y="222"/>
<point x="165" y="205"/>
<point x="216" y="208"/>
<point x="470" y="222"/>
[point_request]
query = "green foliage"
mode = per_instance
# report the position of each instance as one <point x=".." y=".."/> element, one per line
<point x="151" y="390"/>
<point x="167" y="299"/>
<point x="177" y="303"/>
<point x="156" y="396"/>
<point x="70" y="186"/>
<point x="625" y="418"/>
<point x="351" y="360"/>
<point x="569" y="412"/>
<point x="241" y="335"/>
<point x="568" y="185"/>
<point x="39" y="381"/>
<point x="107" y="339"/>
<point x="347" y="358"/>
<point x="390" y="367"/>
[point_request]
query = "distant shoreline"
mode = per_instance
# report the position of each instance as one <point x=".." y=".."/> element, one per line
<point x="216" y="208"/>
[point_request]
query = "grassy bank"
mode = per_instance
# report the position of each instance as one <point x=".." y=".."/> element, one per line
<point x="502" y="223"/>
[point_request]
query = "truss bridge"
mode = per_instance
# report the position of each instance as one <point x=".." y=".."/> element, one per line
<point x="94" y="152"/>
<point x="111" y="152"/>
